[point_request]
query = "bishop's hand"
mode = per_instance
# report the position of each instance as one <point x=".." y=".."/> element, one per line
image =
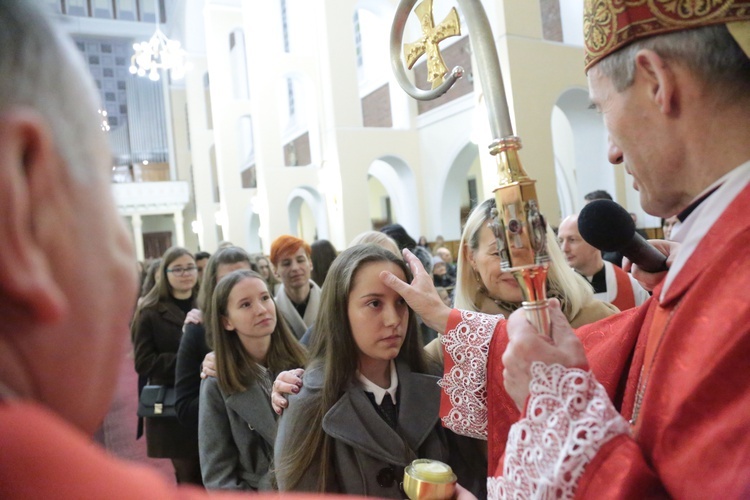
<point x="525" y="346"/>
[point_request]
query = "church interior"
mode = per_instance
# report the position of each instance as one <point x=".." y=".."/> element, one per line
<point x="284" y="117"/>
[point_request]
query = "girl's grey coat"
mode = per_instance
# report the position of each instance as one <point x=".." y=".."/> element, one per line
<point x="236" y="435"/>
<point x="364" y="444"/>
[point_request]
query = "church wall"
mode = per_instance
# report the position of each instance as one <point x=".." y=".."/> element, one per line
<point x="535" y="89"/>
<point x="539" y="73"/>
<point x="183" y="158"/>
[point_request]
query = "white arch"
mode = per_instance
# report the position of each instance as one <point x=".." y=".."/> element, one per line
<point x="580" y="144"/>
<point x="449" y="223"/>
<point x="316" y="202"/>
<point x="399" y="182"/>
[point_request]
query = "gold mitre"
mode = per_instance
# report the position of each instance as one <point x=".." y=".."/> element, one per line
<point x="609" y="25"/>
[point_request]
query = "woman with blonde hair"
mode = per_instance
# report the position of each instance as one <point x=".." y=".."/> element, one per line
<point x="482" y="286"/>
<point x="377" y="238"/>
<point x="237" y="426"/>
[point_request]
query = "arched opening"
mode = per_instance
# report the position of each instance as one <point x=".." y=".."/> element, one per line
<point x="398" y="181"/>
<point x="579" y="142"/>
<point x="461" y="191"/>
<point x="307" y="214"/>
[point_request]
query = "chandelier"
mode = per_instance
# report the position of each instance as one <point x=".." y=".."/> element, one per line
<point x="159" y="53"/>
<point x="105" y="122"/>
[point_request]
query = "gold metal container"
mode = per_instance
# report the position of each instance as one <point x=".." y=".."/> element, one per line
<point x="426" y="479"/>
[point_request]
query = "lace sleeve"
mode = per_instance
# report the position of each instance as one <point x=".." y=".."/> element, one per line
<point x="569" y="417"/>
<point x="465" y="380"/>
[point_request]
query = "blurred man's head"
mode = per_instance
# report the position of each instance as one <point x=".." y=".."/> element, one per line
<point x="444" y="254"/>
<point x="599" y="194"/>
<point x="201" y="260"/>
<point x="581" y="256"/>
<point x="438" y="266"/>
<point x="667" y="225"/>
<point x="67" y="261"/>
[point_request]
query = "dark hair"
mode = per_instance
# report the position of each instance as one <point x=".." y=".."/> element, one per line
<point x="228" y="255"/>
<point x="149" y="277"/>
<point x="599" y="194"/>
<point x="235" y="368"/>
<point x="322" y="255"/>
<point x="202" y="255"/>
<point x="399" y="235"/>
<point x="335" y="352"/>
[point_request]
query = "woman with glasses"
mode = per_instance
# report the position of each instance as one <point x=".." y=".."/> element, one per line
<point x="157" y="330"/>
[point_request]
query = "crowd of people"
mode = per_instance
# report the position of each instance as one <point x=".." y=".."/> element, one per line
<point x="271" y="377"/>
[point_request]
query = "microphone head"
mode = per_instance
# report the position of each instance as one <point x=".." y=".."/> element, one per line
<point x="605" y="225"/>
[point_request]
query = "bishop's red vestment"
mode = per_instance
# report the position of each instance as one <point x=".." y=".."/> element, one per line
<point x="664" y="410"/>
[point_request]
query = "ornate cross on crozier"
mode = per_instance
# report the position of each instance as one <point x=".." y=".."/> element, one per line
<point x="431" y="36"/>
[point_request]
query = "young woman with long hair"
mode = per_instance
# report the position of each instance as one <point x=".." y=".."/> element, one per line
<point x="368" y="406"/>
<point x="156" y="333"/>
<point x="194" y="343"/>
<point x="237" y="426"/>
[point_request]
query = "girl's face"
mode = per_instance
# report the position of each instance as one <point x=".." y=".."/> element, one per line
<point x="182" y="275"/>
<point x="486" y="261"/>
<point x="378" y="316"/>
<point x="250" y="310"/>
<point x="264" y="268"/>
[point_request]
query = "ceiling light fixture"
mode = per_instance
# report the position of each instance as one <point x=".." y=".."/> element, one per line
<point x="159" y="53"/>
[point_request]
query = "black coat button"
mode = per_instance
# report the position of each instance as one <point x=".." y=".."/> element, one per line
<point x="386" y="477"/>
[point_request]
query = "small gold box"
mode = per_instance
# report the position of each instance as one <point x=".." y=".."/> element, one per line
<point x="426" y="479"/>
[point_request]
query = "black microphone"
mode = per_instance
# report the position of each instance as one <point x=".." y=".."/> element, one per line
<point x="607" y="226"/>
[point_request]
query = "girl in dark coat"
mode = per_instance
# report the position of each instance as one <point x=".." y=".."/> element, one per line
<point x="157" y="330"/>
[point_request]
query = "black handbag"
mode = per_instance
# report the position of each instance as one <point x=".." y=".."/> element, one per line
<point x="157" y="401"/>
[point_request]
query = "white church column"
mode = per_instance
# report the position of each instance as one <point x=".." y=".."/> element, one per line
<point x="137" y="223"/>
<point x="179" y="228"/>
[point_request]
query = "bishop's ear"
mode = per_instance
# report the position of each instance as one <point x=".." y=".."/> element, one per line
<point x="659" y="78"/>
<point x="29" y="164"/>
